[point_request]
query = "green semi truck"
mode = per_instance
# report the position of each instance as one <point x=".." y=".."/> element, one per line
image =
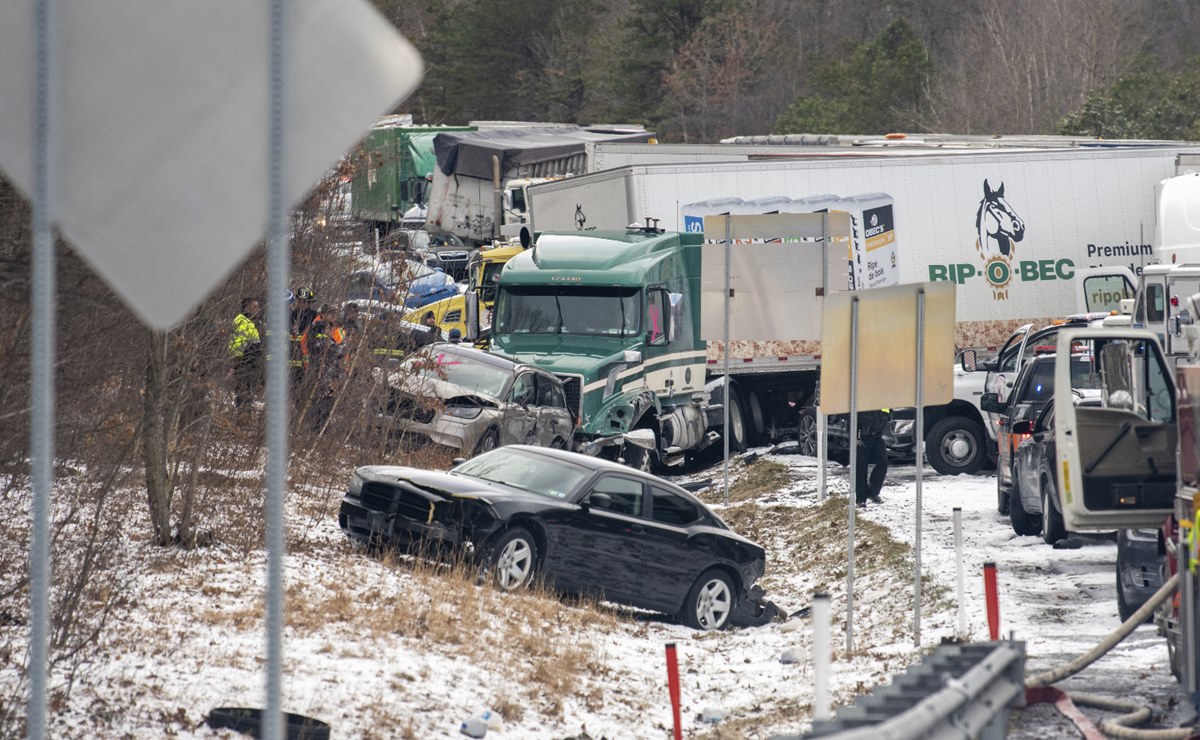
<point x="617" y="316"/>
<point x="393" y="169"/>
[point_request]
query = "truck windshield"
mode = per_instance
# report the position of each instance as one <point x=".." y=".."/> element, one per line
<point x="570" y="310"/>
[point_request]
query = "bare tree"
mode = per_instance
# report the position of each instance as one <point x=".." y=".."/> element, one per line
<point x="1018" y="67"/>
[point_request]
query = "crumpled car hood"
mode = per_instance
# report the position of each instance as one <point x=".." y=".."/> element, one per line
<point x="431" y="386"/>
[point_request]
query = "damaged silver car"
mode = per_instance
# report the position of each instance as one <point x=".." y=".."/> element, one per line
<point x="473" y="401"/>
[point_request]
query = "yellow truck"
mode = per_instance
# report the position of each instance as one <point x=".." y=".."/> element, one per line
<point x="483" y="274"/>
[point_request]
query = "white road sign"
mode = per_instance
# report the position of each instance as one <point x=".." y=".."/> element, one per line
<point x="160" y="127"/>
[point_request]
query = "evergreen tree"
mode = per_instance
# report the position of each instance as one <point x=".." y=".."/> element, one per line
<point x="879" y="86"/>
<point x="1147" y="103"/>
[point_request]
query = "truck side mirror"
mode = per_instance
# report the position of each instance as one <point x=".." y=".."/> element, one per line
<point x="968" y="360"/>
<point x="675" y="316"/>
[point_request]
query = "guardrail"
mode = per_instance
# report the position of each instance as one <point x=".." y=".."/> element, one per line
<point x="960" y="690"/>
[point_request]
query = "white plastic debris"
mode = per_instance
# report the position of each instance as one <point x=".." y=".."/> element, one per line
<point x="790" y="626"/>
<point x="493" y="720"/>
<point x="713" y="715"/>
<point x="474" y="727"/>
<point x="792" y="655"/>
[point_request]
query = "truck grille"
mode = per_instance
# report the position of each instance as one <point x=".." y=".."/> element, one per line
<point x="573" y="385"/>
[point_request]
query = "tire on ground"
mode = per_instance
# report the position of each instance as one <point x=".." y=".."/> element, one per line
<point x="710" y="602"/>
<point x="511" y="561"/>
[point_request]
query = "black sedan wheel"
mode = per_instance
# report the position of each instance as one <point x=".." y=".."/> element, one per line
<point x="512" y="561"/>
<point x="710" y="602"/>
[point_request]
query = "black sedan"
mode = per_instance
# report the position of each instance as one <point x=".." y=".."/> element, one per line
<point x="581" y="524"/>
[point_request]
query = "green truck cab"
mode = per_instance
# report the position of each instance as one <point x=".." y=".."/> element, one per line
<point x="616" y="315"/>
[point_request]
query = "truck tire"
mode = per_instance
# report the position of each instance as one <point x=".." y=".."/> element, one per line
<point x="756" y="423"/>
<point x="956" y="446"/>
<point x="737" y="419"/>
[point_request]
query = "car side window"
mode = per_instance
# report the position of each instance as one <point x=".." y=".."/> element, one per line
<point x="669" y="507"/>
<point x="545" y="391"/>
<point x="1045" y="420"/>
<point x="523" y="390"/>
<point x="626" y="494"/>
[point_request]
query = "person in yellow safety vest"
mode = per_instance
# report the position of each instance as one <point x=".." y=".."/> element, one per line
<point x="303" y="314"/>
<point x="872" y="452"/>
<point x="245" y="350"/>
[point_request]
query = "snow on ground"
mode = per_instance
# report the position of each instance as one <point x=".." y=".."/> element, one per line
<point x="380" y="649"/>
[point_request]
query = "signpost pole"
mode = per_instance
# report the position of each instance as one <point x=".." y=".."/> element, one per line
<point x="822" y="422"/>
<point x="41" y="443"/>
<point x="919" y="436"/>
<point x="279" y="320"/>
<point x="851" y="498"/>
<point x="728" y="398"/>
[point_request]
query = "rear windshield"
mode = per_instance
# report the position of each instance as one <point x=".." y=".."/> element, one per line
<point x="1041" y="380"/>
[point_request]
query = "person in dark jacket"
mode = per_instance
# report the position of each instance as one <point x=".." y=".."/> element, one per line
<point x="872" y="453"/>
<point x="303" y="314"/>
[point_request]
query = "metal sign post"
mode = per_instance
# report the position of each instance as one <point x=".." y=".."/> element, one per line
<point x="851" y="499"/>
<point x="728" y="397"/>
<point x="919" y="436"/>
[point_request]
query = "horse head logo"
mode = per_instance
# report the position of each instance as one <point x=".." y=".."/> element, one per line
<point x="998" y="226"/>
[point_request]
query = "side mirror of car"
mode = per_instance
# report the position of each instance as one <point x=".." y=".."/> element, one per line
<point x="990" y="402"/>
<point x="968" y="360"/>
<point x="598" y="501"/>
<point x="1022" y="427"/>
<point x="457" y="461"/>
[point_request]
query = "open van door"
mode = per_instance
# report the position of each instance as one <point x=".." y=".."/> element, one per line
<point x="1116" y="462"/>
<point x="1101" y="289"/>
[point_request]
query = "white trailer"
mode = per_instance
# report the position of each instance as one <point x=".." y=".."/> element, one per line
<point x="1014" y="229"/>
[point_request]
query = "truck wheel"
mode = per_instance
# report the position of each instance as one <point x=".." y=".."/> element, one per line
<point x="1023" y="523"/>
<point x="737" y="420"/>
<point x="757" y="425"/>
<point x="955" y="446"/>
<point x="806" y="432"/>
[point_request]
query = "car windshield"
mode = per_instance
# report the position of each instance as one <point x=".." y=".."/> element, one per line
<point x="521" y="469"/>
<point x="460" y="369"/>
<point x="570" y="310"/>
<point x="1041" y="380"/>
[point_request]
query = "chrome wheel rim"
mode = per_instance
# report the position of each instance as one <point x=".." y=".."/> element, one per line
<point x="514" y="564"/>
<point x="713" y="604"/>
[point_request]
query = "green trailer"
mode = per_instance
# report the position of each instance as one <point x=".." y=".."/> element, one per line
<point x="391" y="171"/>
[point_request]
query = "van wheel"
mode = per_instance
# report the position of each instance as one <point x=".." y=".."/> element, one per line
<point x="1053" y="528"/>
<point x="1023" y="523"/>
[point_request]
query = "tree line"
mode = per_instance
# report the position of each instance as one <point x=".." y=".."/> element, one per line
<point x="702" y="70"/>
